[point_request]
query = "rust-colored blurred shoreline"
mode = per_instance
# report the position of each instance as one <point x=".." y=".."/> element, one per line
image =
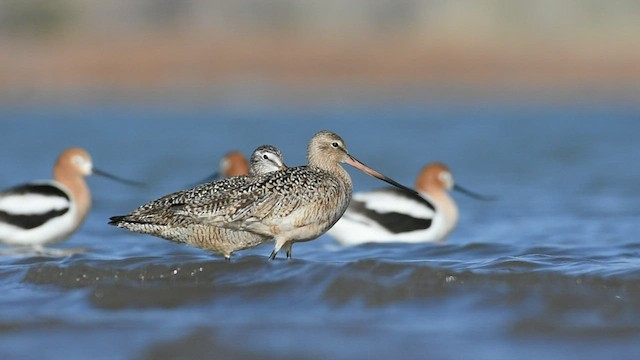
<point x="141" y="63"/>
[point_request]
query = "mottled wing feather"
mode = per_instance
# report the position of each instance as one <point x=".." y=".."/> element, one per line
<point x="267" y="200"/>
<point x="160" y="210"/>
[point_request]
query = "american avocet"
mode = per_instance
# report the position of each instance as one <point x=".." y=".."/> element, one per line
<point x="157" y="217"/>
<point x="44" y="212"/>
<point x="389" y="215"/>
<point x="232" y="164"/>
<point x="235" y="164"/>
<point x="292" y="205"/>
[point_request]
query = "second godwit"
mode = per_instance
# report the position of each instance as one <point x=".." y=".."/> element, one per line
<point x="45" y="212"/>
<point x="389" y="215"/>
<point x="289" y="206"/>
<point x="157" y="217"/>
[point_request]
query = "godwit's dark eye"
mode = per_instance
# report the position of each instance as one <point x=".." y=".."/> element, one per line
<point x="335" y="145"/>
<point x="265" y="157"/>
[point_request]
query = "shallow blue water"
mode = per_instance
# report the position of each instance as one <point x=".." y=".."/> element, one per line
<point x="551" y="269"/>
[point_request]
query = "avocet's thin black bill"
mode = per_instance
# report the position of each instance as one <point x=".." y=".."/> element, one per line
<point x="472" y="194"/>
<point x="117" y="178"/>
<point x="359" y="165"/>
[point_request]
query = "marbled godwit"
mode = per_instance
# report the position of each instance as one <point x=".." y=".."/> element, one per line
<point x="157" y="218"/>
<point x="389" y="215"/>
<point x="292" y="205"/>
<point x="44" y="212"/>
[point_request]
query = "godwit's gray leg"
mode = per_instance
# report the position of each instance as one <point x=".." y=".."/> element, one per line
<point x="288" y="246"/>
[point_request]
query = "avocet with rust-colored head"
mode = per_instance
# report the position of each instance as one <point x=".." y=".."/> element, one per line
<point x="232" y="164"/>
<point x="289" y="206"/>
<point x="45" y="212"/>
<point x="389" y="215"/>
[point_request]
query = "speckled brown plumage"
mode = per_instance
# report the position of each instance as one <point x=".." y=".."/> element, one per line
<point x="289" y="206"/>
<point x="292" y="205"/>
<point x="158" y="218"/>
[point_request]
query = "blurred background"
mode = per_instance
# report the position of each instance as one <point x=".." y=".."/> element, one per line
<point x="535" y="102"/>
<point x="317" y="49"/>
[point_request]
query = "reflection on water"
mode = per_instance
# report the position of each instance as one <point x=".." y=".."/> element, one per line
<point x="550" y="269"/>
